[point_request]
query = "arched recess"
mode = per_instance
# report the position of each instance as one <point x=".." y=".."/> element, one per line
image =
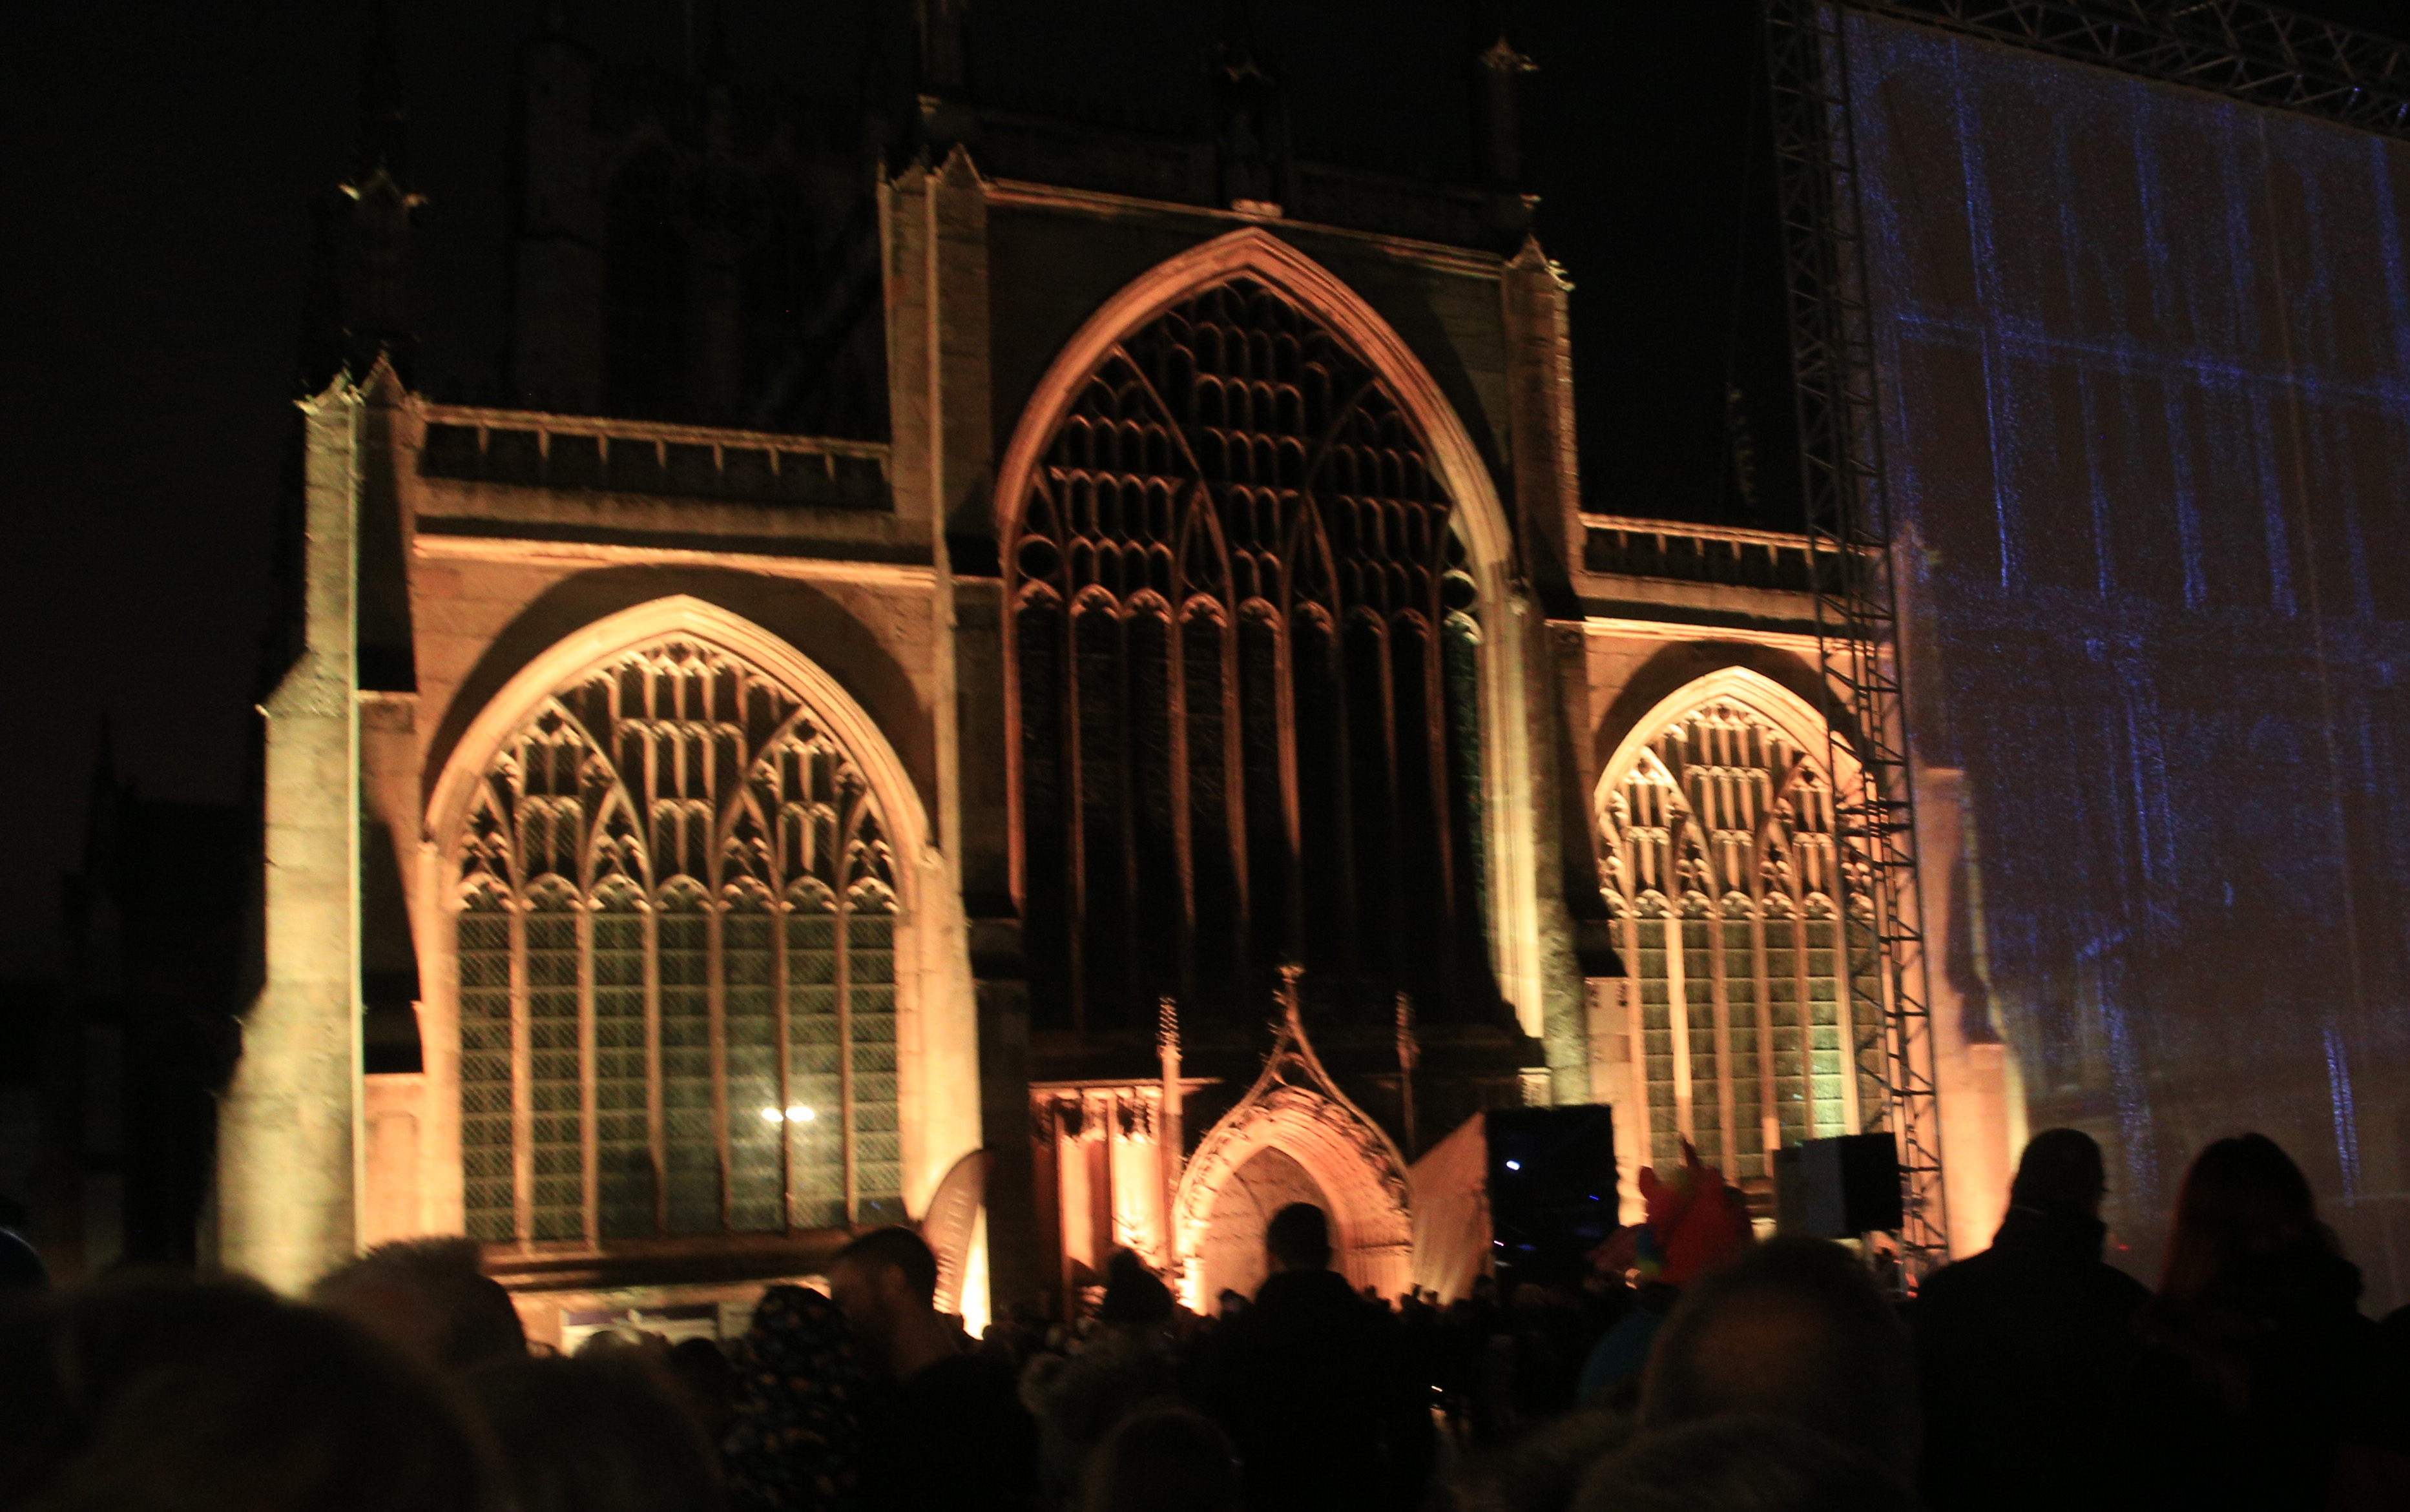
<point x="1719" y="862"/>
<point x="1495" y="656"/>
<point x="933" y="1053"/>
<point x="1295" y="1107"/>
<point x="1797" y="718"/>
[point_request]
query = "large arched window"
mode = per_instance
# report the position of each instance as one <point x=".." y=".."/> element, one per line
<point x="677" y="942"/>
<point x="1244" y="650"/>
<point x="1717" y="825"/>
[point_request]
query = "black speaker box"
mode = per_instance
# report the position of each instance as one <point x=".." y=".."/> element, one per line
<point x="1837" y="1187"/>
<point x="1551" y="1189"/>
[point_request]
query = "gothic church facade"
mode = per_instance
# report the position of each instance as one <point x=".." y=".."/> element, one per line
<point x="1043" y="681"/>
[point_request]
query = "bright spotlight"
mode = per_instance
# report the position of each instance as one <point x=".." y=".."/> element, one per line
<point x="771" y="1115"/>
<point x="799" y="1114"/>
<point x="1514" y="1165"/>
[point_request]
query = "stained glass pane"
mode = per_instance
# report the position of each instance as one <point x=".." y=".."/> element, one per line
<point x="756" y="1111"/>
<point x="815" y="1131"/>
<point x="1742" y="987"/>
<point x="879" y="1155"/>
<point x="558" y="1080"/>
<point x="484" y="945"/>
<point x="691" y="1131"/>
<point x="622" y="1082"/>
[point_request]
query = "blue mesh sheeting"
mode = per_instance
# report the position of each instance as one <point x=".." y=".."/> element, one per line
<point x="2146" y="367"/>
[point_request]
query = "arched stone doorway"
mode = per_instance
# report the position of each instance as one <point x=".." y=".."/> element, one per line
<point x="1232" y="1253"/>
<point x="1294" y="1138"/>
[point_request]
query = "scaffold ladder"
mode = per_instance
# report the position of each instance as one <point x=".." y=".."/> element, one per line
<point x="1853" y="571"/>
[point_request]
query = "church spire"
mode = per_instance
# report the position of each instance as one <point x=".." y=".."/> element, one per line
<point x="368" y="233"/>
<point x="944" y="74"/>
<point x="1251" y="139"/>
<point x="384" y="145"/>
<point x="1498" y="74"/>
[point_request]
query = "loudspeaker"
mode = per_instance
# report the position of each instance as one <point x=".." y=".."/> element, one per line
<point x="1551" y="1189"/>
<point x="1837" y="1187"/>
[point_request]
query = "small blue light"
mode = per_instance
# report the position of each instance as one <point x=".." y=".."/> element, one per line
<point x="1514" y="1165"/>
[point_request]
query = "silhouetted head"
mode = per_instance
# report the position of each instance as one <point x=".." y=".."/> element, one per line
<point x="178" y="1396"/>
<point x="2060" y="1174"/>
<point x="1299" y="1237"/>
<point x="1794" y="1329"/>
<point x="1166" y="1458"/>
<point x="430" y="1298"/>
<point x="1741" y="1464"/>
<point x="883" y="1279"/>
<point x="1134" y="1295"/>
<point x="2244" y="1204"/>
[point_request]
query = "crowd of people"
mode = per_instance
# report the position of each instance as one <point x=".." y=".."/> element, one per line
<point x="1691" y="1367"/>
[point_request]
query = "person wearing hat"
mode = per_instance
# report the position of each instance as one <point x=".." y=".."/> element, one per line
<point x="1126" y="1365"/>
<point x="1695" y="1223"/>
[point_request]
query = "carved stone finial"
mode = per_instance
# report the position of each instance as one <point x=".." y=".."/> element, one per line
<point x="1285" y="1019"/>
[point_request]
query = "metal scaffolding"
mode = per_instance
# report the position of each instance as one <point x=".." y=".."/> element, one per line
<point x="2242" y="50"/>
<point x="1857" y="609"/>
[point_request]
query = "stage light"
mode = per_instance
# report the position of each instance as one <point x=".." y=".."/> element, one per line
<point x="771" y="1115"/>
<point x="800" y="1114"/>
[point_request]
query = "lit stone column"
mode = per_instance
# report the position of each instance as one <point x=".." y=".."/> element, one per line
<point x="934" y="234"/>
<point x="288" y="1122"/>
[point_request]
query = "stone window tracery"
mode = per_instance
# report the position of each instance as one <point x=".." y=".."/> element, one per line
<point x="1719" y="855"/>
<point x="676" y="933"/>
<point x="1244" y="662"/>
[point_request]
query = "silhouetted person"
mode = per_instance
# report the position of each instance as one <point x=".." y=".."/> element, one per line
<point x="172" y="1396"/>
<point x="2021" y="1349"/>
<point x="429" y="1298"/>
<point x="1125" y="1366"/>
<point x="1694" y="1222"/>
<point x="946" y="1431"/>
<point x="1163" y="1458"/>
<point x="604" y="1432"/>
<point x="795" y="1444"/>
<point x="1793" y="1329"/>
<point x="2261" y="1384"/>
<point x="1311" y="1383"/>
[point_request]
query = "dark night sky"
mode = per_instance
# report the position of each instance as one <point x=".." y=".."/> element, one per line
<point x="153" y="236"/>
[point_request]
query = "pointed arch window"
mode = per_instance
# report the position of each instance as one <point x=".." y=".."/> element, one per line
<point x="1719" y="855"/>
<point x="676" y="935"/>
<point x="1245" y="684"/>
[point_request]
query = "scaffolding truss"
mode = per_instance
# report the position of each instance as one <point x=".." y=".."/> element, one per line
<point x="1852" y="572"/>
<point x="2242" y="51"/>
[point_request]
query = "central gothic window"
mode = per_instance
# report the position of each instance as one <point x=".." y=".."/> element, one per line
<point x="1245" y="654"/>
<point x="677" y="936"/>
<point x="1718" y="857"/>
